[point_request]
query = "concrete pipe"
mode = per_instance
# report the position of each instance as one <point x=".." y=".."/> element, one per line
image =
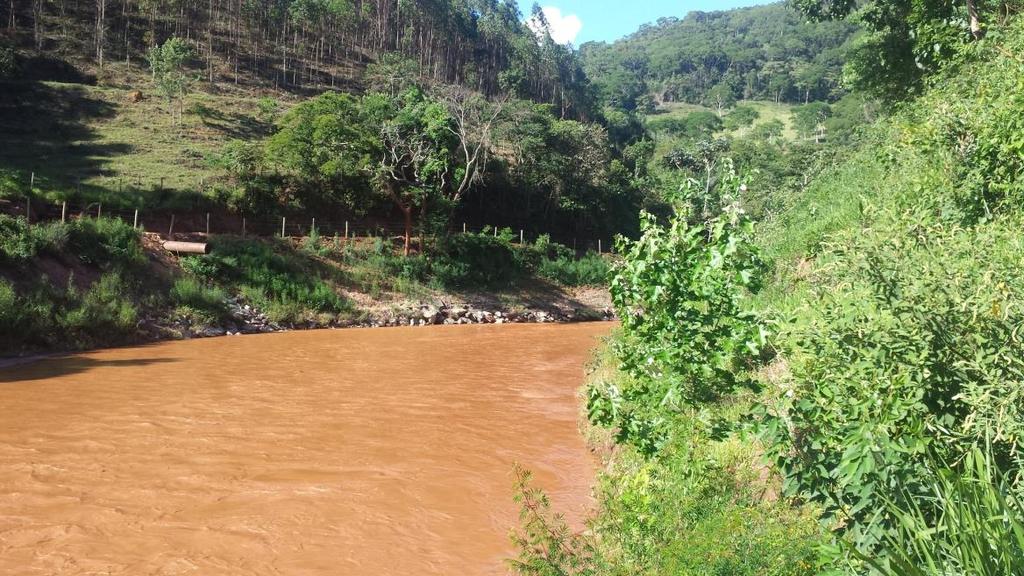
<point x="187" y="247"/>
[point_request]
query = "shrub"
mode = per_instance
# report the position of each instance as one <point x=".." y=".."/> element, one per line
<point x="51" y="238"/>
<point x="107" y="242"/>
<point x="478" y="260"/>
<point x="268" y="109"/>
<point x="19" y="321"/>
<point x="8" y="62"/>
<point x="205" y="268"/>
<point x="591" y="270"/>
<point x="688" y="337"/>
<point x="910" y="344"/>
<point x="105" y="314"/>
<point x="16" y="241"/>
<point x="207" y="301"/>
<point x="700" y="509"/>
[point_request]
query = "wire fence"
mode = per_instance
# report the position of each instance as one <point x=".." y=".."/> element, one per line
<point x="189" y="224"/>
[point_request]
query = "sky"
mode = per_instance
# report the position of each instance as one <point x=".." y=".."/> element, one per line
<point x="580" y="21"/>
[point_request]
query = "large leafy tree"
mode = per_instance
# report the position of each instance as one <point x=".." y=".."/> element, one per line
<point x="408" y="148"/>
<point x="907" y="39"/>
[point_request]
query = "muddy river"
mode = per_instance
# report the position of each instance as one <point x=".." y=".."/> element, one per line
<point x="355" y="452"/>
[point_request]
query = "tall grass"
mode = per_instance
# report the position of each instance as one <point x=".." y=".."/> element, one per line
<point x="969" y="522"/>
<point x="591" y="270"/>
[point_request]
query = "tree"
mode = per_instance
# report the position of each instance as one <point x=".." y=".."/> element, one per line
<point x="473" y="119"/>
<point x="8" y="62"/>
<point x="167" y="63"/>
<point x="741" y="117"/>
<point x="700" y="159"/>
<point x="410" y="149"/>
<point x="809" y="120"/>
<point x="392" y="73"/>
<point x="907" y="39"/>
<point x="770" y="131"/>
<point x="721" y="97"/>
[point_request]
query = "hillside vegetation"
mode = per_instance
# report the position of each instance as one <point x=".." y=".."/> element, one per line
<point x="759" y="53"/>
<point x="99" y="144"/>
<point x="836" y="389"/>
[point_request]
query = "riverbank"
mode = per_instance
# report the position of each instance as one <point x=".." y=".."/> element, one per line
<point x="93" y="283"/>
<point x="584" y="304"/>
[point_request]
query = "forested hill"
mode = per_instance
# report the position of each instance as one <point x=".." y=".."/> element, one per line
<point x="301" y="45"/>
<point x="762" y="53"/>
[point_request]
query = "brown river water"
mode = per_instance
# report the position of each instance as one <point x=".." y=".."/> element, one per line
<point x="350" y="452"/>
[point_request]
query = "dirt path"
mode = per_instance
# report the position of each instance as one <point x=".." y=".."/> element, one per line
<point x="333" y="452"/>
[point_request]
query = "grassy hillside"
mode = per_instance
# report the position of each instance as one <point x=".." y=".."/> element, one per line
<point x="767" y="112"/>
<point x="107" y="145"/>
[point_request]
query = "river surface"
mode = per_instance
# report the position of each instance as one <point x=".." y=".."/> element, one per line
<point x="350" y="452"/>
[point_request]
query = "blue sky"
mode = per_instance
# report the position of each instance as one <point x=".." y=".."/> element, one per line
<point x="581" y="21"/>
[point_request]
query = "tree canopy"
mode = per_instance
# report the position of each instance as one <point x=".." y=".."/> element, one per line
<point x="764" y="52"/>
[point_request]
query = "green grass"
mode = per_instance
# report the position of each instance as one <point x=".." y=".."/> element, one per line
<point x="767" y="111"/>
<point x="94" y="140"/>
<point x="287" y="284"/>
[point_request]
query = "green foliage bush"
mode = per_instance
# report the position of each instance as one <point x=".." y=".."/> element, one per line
<point x="912" y="345"/>
<point x="8" y="62"/>
<point x="591" y="270"/>
<point x="282" y="282"/>
<point x="478" y="260"/>
<point x="20" y="242"/>
<point x="200" y="299"/>
<point x="897" y="311"/>
<point x="16" y="241"/>
<point x="105" y="242"/>
<point x="700" y="508"/>
<point x="688" y="335"/>
<point x="741" y="117"/>
<point x="104" y="314"/>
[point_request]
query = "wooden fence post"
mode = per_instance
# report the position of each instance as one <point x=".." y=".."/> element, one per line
<point x="520" y="235"/>
<point x="346" y="230"/>
<point x="282" y="226"/>
<point x="63" y="211"/>
<point x="312" y="227"/>
<point x="135" y="221"/>
<point x="599" y="246"/>
<point x="463" y="227"/>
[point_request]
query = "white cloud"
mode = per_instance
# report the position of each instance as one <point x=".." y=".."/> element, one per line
<point x="564" y="29"/>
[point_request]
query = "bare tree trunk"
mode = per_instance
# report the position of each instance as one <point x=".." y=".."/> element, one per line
<point x="972" y="12"/>
<point x="126" y="15"/>
<point x="407" y="215"/>
<point x="37" y="23"/>
<point x="101" y="29"/>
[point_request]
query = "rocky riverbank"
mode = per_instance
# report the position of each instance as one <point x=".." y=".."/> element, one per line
<point x="246" y="319"/>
